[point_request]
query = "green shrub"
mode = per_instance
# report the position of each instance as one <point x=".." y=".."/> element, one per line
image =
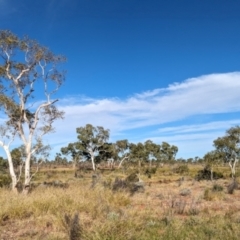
<point x="208" y="196"/>
<point x="182" y="169"/>
<point x="150" y="171"/>
<point x="217" y="188"/>
<point x="205" y="174"/>
<point x="5" y="181"/>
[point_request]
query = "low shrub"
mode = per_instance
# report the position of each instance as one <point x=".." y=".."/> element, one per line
<point x="182" y="169"/>
<point x="232" y="186"/>
<point x="217" y="188"/>
<point x="130" y="184"/>
<point x="152" y="170"/>
<point x="205" y="174"/>
<point x="185" y="192"/>
<point x="72" y="226"/>
<point x="207" y="195"/>
<point x="5" y="181"/>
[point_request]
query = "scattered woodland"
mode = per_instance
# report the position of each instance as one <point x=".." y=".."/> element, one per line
<point x="94" y="188"/>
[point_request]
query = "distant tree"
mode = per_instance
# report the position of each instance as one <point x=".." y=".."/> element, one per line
<point x="73" y="152"/>
<point x="122" y="149"/>
<point x="90" y="141"/>
<point x="25" y="66"/>
<point x="138" y="154"/>
<point x="152" y="151"/>
<point x="190" y="160"/>
<point x="211" y="159"/>
<point x="168" y="152"/>
<point x="228" y="147"/>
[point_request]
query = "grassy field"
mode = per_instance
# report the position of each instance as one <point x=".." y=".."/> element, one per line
<point x="171" y="207"/>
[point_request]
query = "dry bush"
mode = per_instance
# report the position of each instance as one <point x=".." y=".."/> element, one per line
<point x="72" y="226"/>
<point x="232" y="186"/>
<point x="159" y="213"/>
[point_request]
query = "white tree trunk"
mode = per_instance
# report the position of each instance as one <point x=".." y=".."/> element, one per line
<point x="121" y="162"/>
<point x="93" y="163"/>
<point x="233" y="166"/>
<point x="27" y="177"/>
<point x="11" y="167"/>
<point x="211" y="174"/>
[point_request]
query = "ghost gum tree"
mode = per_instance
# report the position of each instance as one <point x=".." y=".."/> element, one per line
<point x="90" y="141"/>
<point x="228" y="147"/>
<point x="26" y="68"/>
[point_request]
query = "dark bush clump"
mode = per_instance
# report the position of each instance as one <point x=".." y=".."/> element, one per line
<point x="119" y="184"/>
<point x="150" y="171"/>
<point x="182" y="169"/>
<point x="5" y="181"/>
<point x="133" y="177"/>
<point x="73" y="227"/>
<point x="217" y="188"/>
<point x="231" y="187"/>
<point x="205" y="174"/>
<point x="130" y="184"/>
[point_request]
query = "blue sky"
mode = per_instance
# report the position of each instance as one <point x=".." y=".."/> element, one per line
<point x="160" y="70"/>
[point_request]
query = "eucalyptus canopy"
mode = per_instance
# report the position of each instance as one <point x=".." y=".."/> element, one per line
<point x="26" y="66"/>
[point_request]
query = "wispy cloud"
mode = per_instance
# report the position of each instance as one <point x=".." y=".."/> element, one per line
<point x="211" y="126"/>
<point x="209" y="94"/>
<point x="216" y="93"/>
<point x="147" y="115"/>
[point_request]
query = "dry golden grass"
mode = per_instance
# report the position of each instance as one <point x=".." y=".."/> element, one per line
<point x="161" y="212"/>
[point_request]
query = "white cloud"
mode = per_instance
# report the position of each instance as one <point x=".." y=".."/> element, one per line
<point x="209" y="94"/>
<point x="211" y="126"/>
<point x="216" y="93"/>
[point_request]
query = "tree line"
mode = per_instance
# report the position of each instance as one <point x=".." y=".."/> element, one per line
<point x="92" y="145"/>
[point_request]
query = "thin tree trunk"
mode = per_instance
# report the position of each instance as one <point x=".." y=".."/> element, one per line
<point x="139" y="166"/>
<point x="93" y="163"/>
<point x="232" y="169"/>
<point x="11" y="170"/>
<point x="121" y="162"/>
<point x="27" y="174"/>
<point x="211" y="174"/>
<point x="150" y="164"/>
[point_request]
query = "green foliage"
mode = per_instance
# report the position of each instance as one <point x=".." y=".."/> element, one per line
<point x="168" y="152"/>
<point x="217" y="188"/>
<point x="182" y="169"/>
<point x="91" y="141"/>
<point x="3" y="164"/>
<point x="5" y="180"/>
<point x="228" y="147"/>
<point x="17" y="156"/>
<point x="130" y="184"/>
<point x="133" y="177"/>
<point x="205" y="174"/>
<point x="24" y="65"/>
<point x="150" y="171"/>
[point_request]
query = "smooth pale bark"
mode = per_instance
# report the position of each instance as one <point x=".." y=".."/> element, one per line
<point x="211" y="173"/>
<point x="25" y="63"/>
<point x="93" y="163"/>
<point x="11" y="167"/>
<point x="27" y="175"/>
<point x="233" y="166"/>
<point x="121" y="162"/>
